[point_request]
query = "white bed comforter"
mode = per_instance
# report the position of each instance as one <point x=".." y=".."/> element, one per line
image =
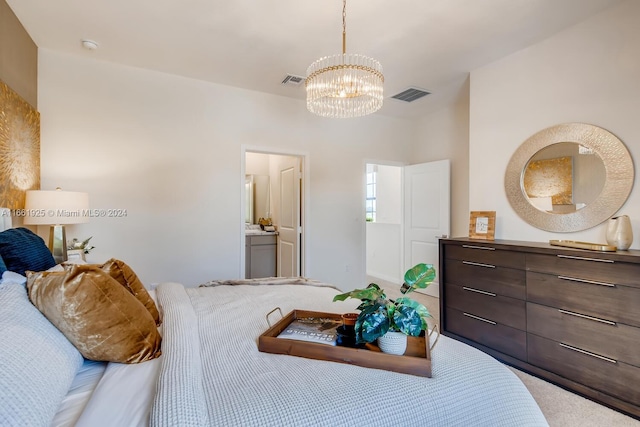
<point x="212" y="373"/>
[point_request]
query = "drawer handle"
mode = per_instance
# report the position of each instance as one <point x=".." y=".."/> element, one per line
<point x="584" y="316"/>
<point x="491" y="322"/>
<point x="478" y="264"/>
<point x="590" y="282"/>
<point x="491" y="294"/>
<point x="588" y="353"/>
<point x="585" y="258"/>
<point x="484" y="248"/>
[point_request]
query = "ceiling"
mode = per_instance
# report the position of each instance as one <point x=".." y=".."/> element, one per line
<point x="429" y="44"/>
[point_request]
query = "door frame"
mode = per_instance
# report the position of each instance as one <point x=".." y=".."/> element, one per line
<point x="305" y="199"/>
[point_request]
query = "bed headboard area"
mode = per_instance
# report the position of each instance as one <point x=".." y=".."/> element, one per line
<point x="51" y="315"/>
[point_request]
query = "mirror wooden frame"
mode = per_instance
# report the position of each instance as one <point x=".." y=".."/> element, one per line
<point x="618" y="166"/>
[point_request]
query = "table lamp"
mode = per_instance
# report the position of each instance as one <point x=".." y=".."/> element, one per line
<point x="56" y="208"/>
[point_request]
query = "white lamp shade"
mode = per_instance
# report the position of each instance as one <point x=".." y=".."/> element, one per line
<point x="56" y="207"/>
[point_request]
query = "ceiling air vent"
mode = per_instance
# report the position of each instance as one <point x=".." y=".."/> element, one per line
<point x="292" y="80"/>
<point x="410" y="94"/>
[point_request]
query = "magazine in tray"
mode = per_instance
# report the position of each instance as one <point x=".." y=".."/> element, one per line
<point x="313" y="329"/>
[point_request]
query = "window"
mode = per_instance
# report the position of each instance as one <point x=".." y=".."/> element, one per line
<point x="370" y="203"/>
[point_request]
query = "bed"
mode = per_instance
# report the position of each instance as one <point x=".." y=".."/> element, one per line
<point x="211" y="373"/>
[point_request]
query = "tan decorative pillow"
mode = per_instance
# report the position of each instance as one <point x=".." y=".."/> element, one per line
<point x="97" y="314"/>
<point x="127" y="278"/>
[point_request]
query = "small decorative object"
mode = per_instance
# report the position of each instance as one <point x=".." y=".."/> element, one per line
<point x="346" y="332"/>
<point x="349" y="319"/>
<point x="619" y="232"/>
<point x="266" y="224"/>
<point x="74" y="255"/>
<point x="583" y="245"/>
<point x="265" y="221"/>
<point x="482" y="225"/>
<point x="379" y="314"/>
<point x="83" y="245"/>
<point x="393" y="342"/>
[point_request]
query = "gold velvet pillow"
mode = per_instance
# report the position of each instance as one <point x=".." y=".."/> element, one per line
<point x="127" y="278"/>
<point x="97" y="314"/>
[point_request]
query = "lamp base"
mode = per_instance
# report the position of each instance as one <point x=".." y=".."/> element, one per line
<point x="58" y="243"/>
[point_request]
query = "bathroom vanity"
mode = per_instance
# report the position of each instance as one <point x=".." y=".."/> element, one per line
<point x="260" y="254"/>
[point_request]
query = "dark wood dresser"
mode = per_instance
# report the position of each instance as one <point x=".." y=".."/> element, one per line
<point x="569" y="316"/>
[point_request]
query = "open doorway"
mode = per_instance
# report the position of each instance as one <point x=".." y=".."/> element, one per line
<point x="408" y="210"/>
<point x="383" y="206"/>
<point x="273" y="215"/>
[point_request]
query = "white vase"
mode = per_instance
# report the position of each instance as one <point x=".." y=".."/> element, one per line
<point x="393" y="342"/>
<point x="619" y="232"/>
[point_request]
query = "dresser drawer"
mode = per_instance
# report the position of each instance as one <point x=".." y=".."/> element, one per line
<point x="502" y="338"/>
<point x="610" y="302"/>
<point x="588" y="267"/>
<point x="487" y="277"/>
<point x="263" y="239"/>
<point x="609" y="376"/>
<point x="497" y="308"/>
<point x="613" y="340"/>
<point x="486" y="255"/>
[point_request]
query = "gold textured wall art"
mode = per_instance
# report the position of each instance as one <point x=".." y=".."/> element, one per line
<point x="19" y="148"/>
<point x="550" y="178"/>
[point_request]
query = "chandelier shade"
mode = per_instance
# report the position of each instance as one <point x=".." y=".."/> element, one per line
<point x="344" y="85"/>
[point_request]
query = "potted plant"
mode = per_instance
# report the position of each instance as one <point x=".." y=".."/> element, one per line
<point x="380" y="316"/>
<point x="78" y="248"/>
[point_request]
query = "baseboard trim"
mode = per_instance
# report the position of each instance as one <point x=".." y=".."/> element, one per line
<point x="384" y="277"/>
<point x="433" y="290"/>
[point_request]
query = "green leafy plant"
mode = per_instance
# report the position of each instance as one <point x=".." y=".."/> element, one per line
<point x="379" y="314"/>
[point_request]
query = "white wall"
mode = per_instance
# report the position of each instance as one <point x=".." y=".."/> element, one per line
<point x="256" y="164"/>
<point x="169" y="150"/>
<point x="587" y="73"/>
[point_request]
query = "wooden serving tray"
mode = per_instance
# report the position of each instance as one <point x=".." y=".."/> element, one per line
<point x="415" y="361"/>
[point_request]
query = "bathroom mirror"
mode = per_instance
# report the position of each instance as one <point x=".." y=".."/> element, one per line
<point x="569" y="177"/>
<point x="257" y="198"/>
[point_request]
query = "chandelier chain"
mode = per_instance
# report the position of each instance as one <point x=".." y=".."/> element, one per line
<point x="344" y="26"/>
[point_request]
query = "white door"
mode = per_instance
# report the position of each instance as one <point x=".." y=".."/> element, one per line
<point x="289" y="224"/>
<point x="426" y="214"/>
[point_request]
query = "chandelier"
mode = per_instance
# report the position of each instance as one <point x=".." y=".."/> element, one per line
<point x="346" y="85"/>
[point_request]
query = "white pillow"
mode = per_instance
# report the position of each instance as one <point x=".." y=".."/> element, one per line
<point x="38" y="362"/>
<point x="11" y="277"/>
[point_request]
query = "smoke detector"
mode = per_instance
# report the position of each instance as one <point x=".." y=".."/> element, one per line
<point x="89" y="44"/>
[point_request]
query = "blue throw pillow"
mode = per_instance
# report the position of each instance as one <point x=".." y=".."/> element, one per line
<point x="21" y="250"/>
<point x="3" y="267"/>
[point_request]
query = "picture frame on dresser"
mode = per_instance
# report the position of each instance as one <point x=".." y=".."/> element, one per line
<point x="482" y="225"/>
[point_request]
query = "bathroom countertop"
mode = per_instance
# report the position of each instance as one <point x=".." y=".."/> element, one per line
<point x="260" y="233"/>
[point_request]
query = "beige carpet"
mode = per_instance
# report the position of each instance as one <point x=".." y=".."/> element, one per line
<point x="561" y="408"/>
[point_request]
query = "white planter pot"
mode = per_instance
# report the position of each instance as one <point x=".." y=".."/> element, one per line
<point x="393" y="342"/>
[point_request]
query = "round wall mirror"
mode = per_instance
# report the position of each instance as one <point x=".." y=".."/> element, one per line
<point x="569" y="177"/>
